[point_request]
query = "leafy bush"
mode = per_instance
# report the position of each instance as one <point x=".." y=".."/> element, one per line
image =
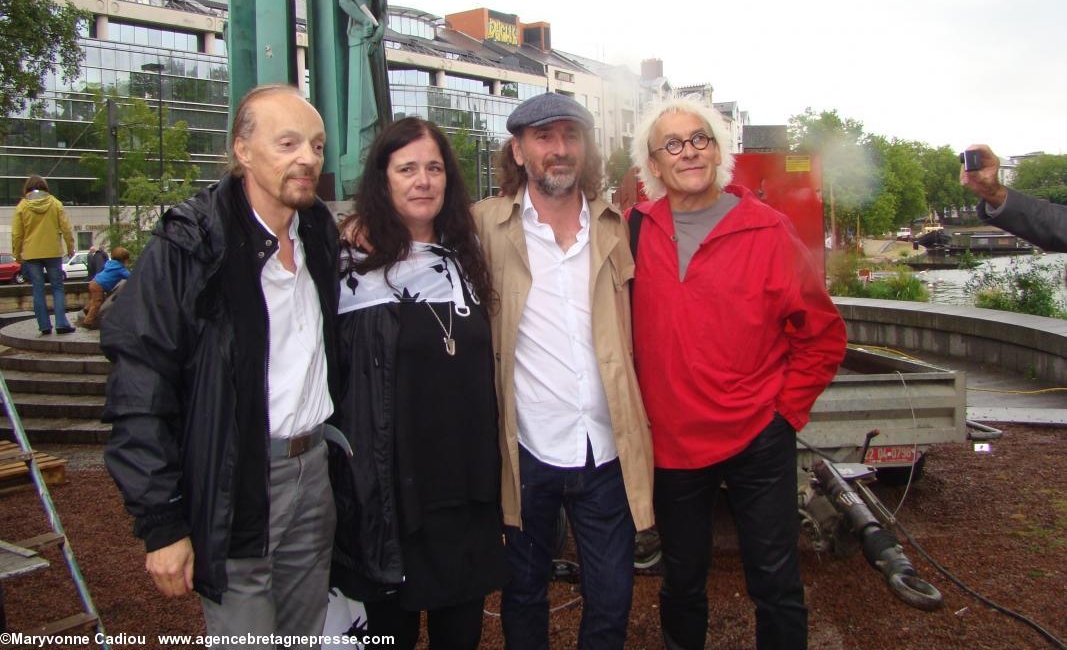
<point x="967" y="260"/>
<point x="1024" y="287"/>
<point x="902" y="286"/>
<point x="842" y="269"/>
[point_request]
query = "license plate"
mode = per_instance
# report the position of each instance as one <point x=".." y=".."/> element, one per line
<point x="895" y="455"/>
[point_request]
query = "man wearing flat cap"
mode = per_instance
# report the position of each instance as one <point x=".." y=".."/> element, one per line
<point x="573" y="429"/>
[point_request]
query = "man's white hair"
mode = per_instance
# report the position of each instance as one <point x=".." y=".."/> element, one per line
<point x="641" y="145"/>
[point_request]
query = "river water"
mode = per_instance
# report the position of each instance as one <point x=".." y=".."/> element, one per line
<point x="947" y="286"/>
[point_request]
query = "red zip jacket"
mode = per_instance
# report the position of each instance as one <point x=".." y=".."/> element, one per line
<point x="749" y="331"/>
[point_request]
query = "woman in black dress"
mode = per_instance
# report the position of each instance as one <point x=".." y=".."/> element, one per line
<point x="419" y="521"/>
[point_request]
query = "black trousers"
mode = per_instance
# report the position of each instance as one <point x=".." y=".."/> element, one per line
<point x="457" y="627"/>
<point x="761" y="484"/>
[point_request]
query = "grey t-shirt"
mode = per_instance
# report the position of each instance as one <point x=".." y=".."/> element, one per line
<point x="692" y="228"/>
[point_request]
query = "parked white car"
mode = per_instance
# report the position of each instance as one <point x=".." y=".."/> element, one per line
<point x="76" y="266"/>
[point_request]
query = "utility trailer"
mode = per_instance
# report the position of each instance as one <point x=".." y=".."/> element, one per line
<point x="911" y="404"/>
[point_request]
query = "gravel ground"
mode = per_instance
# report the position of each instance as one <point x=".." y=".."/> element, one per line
<point x="997" y="520"/>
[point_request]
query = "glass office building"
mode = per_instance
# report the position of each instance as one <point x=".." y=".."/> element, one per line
<point x="52" y="133"/>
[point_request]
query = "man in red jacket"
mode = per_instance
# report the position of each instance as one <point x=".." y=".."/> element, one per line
<point x="735" y="337"/>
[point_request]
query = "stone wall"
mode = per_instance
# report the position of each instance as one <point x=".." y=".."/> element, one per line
<point x="1031" y="345"/>
<point x="19" y="297"/>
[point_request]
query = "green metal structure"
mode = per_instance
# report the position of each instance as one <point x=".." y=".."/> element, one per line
<point x="346" y="63"/>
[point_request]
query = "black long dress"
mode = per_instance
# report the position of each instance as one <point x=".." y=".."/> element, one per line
<point x="448" y="458"/>
<point x="423" y="428"/>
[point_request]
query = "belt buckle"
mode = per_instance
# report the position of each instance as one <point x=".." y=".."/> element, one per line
<point x="298" y="446"/>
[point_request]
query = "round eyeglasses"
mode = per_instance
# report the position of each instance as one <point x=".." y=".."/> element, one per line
<point x="674" y="146"/>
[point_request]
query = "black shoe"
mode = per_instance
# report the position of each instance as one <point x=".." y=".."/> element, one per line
<point x="64" y="330"/>
<point x="46" y="332"/>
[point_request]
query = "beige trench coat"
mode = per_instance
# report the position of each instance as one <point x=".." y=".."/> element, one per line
<point x="612" y="267"/>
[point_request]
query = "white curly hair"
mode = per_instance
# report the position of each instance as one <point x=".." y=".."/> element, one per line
<point x="639" y="148"/>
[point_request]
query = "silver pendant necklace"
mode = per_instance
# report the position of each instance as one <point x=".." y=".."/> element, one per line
<point x="450" y="343"/>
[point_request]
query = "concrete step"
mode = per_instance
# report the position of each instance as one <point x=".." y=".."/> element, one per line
<point x="50" y="383"/>
<point x="60" y="430"/>
<point x="64" y="364"/>
<point x="31" y="405"/>
<point x="15" y="316"/>
<point x="23" y="335"/>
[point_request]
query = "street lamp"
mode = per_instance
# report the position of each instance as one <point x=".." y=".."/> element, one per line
<point x="158" y="69"/>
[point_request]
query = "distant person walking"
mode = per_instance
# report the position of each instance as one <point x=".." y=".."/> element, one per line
<point x="36" y="229"/>
<point x="94" y="262"/>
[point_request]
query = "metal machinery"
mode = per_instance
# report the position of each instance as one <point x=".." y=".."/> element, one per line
<point x="346" y="64"/>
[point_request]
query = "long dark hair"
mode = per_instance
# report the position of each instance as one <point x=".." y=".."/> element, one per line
<point x="387" y="236"/>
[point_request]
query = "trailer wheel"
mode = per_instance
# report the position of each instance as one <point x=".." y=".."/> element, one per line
<point x="895" y="476"/>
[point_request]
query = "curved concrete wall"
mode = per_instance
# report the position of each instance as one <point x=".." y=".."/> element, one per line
<point x="1032" y="345"/>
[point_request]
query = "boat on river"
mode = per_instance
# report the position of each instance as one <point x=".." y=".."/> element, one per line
<point x="978" y="240"/>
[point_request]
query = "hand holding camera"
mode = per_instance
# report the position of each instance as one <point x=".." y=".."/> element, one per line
<point x="979" y="173"/>
<point x="972" y="160"/>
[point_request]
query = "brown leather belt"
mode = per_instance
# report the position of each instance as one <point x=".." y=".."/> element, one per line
<point x="298" y="444"/>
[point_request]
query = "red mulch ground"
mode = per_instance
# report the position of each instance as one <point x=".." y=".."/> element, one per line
<point x="997" y="520"/>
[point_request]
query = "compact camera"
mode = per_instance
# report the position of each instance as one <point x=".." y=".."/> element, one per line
<point x="972" y="160"/>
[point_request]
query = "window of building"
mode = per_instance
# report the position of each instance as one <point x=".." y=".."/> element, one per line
<point x="527" y="91"/>
<point x="154" y="37"/>
<point x="409" y="78"/>
<point x="409" y="26"/>
<point x="564" y="76"/>
<point x="467" y="84"/>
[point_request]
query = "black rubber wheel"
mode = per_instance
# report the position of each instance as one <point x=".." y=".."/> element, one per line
<point x="18" y="278"/>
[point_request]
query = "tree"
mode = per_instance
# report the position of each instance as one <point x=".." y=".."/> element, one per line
<point x="941" y="179"/>
<point x="466" y="149"/>
<point x="1044" y="176"/>
<point x="901" y="197"/>
<point x="140" y="190"/>
<point x="36" y="37"/>
<point x="617" y="166"/>
<point x="848" y="175"/>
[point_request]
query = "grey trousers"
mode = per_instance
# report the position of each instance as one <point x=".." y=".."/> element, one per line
<point x="284" y="593"/>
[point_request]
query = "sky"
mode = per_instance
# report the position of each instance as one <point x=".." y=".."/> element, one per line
<point x="943" y="72"/>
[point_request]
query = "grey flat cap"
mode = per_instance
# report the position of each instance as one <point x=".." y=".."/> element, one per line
<point x="545" y="109"/>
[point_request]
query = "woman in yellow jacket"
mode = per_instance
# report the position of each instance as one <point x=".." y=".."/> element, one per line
<point x="35" y="241"/>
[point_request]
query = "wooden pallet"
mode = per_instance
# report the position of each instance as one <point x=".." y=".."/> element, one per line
<point x="14" y="473"/>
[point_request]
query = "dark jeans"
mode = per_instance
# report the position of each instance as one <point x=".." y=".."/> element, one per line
<point x="599" y="514"/>
<point x="34" y="272"/>
<point x="761" y="484"/>
<point x="458" y="627"/>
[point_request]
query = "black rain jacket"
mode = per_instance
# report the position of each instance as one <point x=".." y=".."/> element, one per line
<point x="367" y="560"/>
<point x="187" y="392"/>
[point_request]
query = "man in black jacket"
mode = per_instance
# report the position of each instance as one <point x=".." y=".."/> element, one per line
<point x="94" y="262"/>
<point x="218" y="392"/>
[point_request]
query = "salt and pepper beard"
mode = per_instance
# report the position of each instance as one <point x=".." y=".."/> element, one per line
<point x="556" y="185"/>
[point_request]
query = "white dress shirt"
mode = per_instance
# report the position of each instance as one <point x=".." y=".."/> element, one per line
<point x="297" y="393"/>
<point x="559" y="394"/>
